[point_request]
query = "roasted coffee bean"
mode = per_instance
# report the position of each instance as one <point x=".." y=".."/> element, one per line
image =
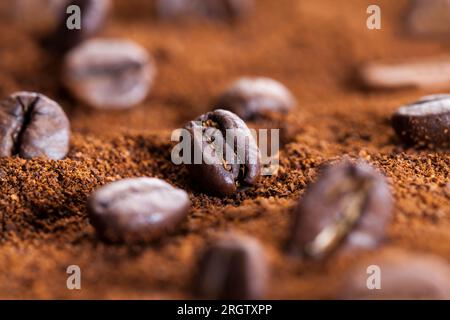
<point x="250" y="98"/>
<point x="109" y="73"/>
<point x="32" y="125"/>
<point x="425" y="123"/>
<point x="234" y="267"/>
<point x="348" y="207"/>
<point x="430" y="18"/>
<point x="225" y="156"/>
<point x="137" y="210"/>
<point x="401" y="276"/>
<point x="213" y="9"/>
<point x="93" y="16"/>
<point x="429" y="73"/>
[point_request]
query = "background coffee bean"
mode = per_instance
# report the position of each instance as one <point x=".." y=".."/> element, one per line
<point x="109" y="73"/>
<point x="214" y="9"/>
<point x="93" y="16"/>
<point x="428" y="73"/>
<point x="403" y="276"/>
<point x="137" y="210"/>
<point x="32" y="125"/>
<point x="233" y="267"/>
<point x="430" y="17"/>
<point x="348" y="207"/>
<point x="425" y="123"/>
<point x="215" y="175"/>
<point x="250" y="98"/>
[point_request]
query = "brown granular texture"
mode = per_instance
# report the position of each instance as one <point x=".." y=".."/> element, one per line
<point x="312" y="47"/>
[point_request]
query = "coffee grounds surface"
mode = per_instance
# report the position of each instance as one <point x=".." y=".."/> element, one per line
<point x="310" y="46"/>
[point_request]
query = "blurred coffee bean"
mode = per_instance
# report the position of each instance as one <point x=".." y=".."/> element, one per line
<point x="430" y="73"/>
<point x="430" y="17"/>
<point x="213" y="9"/>
<point x="137" y="210"/>
<point x="234" y="267"/>
<point x="250" y="98"/>
<point x="347" y="208"/>
<point x="222" y="165"/>
<point x="93" y="17"/>
<point x="109" y="73"/>
<point x="32" y="125"/>
<point x="402" y="276"/>
<point x="425" y="123"/>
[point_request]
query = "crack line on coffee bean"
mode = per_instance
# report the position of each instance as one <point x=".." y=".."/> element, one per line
<point x="353" y="206"/>
<point x="210" y="140"/>
<point x="27" y="115"/>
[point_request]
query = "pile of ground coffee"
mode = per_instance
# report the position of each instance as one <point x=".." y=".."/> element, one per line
<point x="312" y="47"/>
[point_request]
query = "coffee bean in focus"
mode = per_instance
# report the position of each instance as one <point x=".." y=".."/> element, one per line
<point x="217" y="136"/>
<point x="32" y="125"/>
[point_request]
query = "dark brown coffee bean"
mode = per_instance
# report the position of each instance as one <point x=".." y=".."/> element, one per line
<point x="226" y="157"/>
<point x="348" y="207"/>
<point x="93" y="17"/>
<point x="250" y="98"/>
<point x="401" y="276"/>
<point x="109" y="73"/>
<point x="430" y="17"/>
<point x="32" y="125"/>
<point x="425" y="123"/>
<point x="214" y="9"/>
<point x="429" y="73"/>
<point x="137" y="210"/>
<point x="234" y="267"/>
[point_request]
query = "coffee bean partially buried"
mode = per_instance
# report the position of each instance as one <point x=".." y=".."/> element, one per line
<point x="347" y="208"/>
<point x="109" y="73"/>
<point x="425" y="123"/>
<point x="222" y="165"/>
<point x="234" y="267"/>
<point x="32" y="125"/>
<point x="213" y="9"/>
<point x="250" y="98"/>
<point x="137" y="210"/>
<point x="403" y="276"/>
<point x="93" y="14"/>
